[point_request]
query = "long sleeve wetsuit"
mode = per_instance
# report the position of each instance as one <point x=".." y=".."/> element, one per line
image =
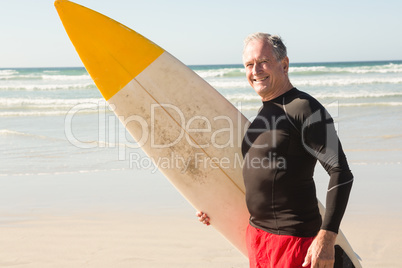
<point x="280" y="150"/>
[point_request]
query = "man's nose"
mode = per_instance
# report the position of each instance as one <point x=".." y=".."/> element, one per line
<point x="256" y="69"/>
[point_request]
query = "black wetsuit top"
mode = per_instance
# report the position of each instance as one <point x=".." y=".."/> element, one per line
<point x="280" y="150"/>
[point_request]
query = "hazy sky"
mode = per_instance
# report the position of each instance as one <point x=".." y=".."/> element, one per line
<point x="212" y="31"/>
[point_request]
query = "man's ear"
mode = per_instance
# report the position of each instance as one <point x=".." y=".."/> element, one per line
<point x="285" y="64"/>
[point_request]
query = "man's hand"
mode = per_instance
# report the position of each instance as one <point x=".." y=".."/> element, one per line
<point x="321" y="253"/>
<point x="203" y="217"/>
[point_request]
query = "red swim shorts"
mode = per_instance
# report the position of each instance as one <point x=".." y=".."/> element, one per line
<point x="266" y="250"/>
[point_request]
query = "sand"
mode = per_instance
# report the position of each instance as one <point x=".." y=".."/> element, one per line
<point x="376" y="239"/>
<point x="114" y="240"/>
<point x="141" y="240"/>
<point x="115" y="219"/>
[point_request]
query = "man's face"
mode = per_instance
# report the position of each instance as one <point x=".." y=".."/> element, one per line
<point x="264" y="73"/>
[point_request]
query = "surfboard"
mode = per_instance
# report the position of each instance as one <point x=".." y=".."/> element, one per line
<point x="174" y="115"/>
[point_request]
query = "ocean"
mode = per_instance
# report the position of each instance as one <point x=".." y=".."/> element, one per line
<point x="54" y="120"/>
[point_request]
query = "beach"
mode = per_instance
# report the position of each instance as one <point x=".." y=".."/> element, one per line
<point x="113" y="219"/>
<point x="73" y="193"/>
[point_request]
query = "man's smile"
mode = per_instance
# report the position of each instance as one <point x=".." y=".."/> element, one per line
<point x="261" y="79"/>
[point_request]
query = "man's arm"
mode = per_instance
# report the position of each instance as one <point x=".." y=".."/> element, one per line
<point x="321" y="137"/>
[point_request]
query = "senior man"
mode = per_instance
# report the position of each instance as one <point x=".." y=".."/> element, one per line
<point x="280" y="149"/>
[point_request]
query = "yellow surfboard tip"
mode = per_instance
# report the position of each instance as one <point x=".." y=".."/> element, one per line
<point x="113" y="55"/>
<point x="59" y="2"/>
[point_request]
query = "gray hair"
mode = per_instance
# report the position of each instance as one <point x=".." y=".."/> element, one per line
<point x="275" y="41"/>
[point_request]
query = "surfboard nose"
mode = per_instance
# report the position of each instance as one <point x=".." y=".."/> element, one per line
<point x="112" y="53"/>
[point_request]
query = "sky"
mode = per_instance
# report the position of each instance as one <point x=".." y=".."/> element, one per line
<point x="212" y="31"/>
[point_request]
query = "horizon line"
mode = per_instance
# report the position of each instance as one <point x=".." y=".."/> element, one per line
<point x="215" y="64"/>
